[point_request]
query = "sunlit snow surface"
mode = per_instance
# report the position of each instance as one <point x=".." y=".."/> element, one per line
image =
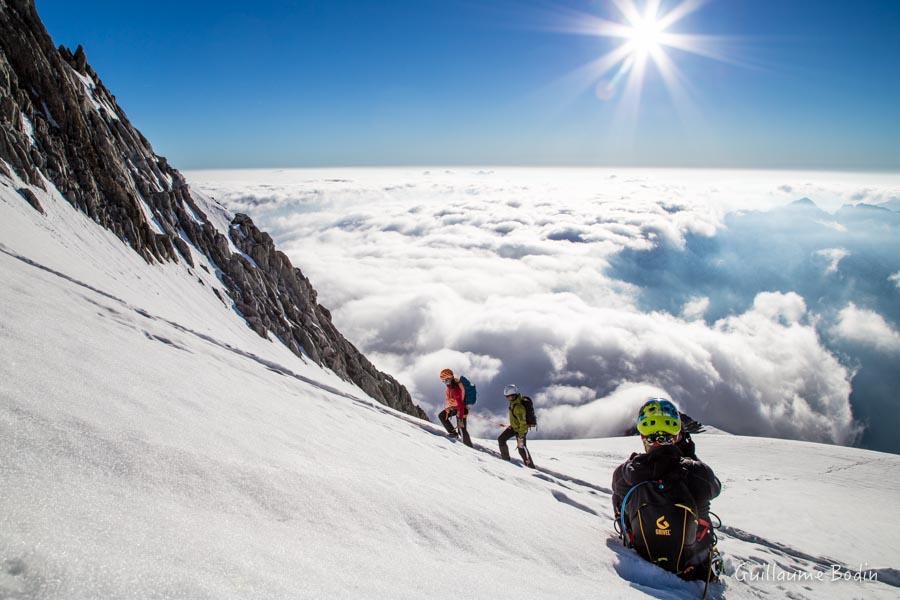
<point x="592" y="289"/>
<point x="152" y="446"/>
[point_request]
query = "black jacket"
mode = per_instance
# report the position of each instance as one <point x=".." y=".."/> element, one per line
<point x="666" y="463"/>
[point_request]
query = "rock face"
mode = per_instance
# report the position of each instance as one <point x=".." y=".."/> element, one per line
<point x="60" y="126"/>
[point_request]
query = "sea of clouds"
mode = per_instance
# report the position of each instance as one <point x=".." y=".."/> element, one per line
<point x="594" y="289"/>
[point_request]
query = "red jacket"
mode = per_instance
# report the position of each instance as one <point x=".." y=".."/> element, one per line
<point x="455" y="397"/>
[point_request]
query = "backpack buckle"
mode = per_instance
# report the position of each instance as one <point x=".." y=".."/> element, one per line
<point x="703" y="528"/>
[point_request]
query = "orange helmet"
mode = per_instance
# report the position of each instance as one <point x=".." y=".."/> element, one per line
<point x="446" y="374"/>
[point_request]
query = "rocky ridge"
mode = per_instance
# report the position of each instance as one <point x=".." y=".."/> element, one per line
<point x="61" y="127"/>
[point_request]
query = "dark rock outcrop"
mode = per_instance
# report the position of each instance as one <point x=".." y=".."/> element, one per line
<point x="59" y="124"/>
<point x="31" y="199"/>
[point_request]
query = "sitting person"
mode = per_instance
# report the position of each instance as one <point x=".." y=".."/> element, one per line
<point x="661" y="497"/>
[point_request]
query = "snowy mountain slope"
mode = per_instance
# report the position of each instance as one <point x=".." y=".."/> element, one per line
<point x="63" y="132"/>
<point x="154" y="447"/>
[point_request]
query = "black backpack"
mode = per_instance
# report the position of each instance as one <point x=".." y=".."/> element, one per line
<point x="530" y="417"/>
<point x="660" y="521"/>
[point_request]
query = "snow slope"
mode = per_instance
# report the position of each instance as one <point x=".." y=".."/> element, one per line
<point x="152" y="446"/>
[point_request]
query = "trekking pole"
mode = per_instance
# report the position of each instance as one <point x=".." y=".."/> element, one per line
<point x="712" y="550"/>
<point x="708" y="573"/>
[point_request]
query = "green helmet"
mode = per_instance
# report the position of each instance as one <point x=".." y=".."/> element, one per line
<point x="658" y="415"/>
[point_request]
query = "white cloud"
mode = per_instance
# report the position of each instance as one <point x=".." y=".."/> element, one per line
<point x="564" y="394"/>
<point x="695" y="308"/>
<point x="867" y="328"/>
<point x="502" y="276"/>
<point x="834" y="257"/>
<point x="763" y="372"/>
<point x="833" y="225"/>
<point x="788" y="308"/>
<point x="895" y="279"/>
<point x="607" y="416"/>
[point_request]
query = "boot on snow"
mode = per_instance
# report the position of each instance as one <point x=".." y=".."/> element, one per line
<point x="526" y="458"/>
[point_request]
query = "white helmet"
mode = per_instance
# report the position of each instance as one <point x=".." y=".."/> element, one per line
<point x="510" y="390"/>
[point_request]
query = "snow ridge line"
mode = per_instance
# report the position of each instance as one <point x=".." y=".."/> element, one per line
<point x="273" y="366"/>
<point x="38" y="265"/>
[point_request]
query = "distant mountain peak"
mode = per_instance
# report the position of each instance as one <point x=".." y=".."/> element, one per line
<point x="802" y="208"/>
<point x="863" y="206"/>
<point x="803" y="202"/>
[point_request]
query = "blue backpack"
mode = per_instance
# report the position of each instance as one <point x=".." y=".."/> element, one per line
<point x="471" y="392"/>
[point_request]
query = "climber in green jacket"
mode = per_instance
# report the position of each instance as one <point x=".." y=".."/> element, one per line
<point x="518" y="424"/>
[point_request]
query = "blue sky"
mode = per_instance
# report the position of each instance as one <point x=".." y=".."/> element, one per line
<point x="808" y="84"/>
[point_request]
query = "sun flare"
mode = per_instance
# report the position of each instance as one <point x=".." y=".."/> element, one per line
<point x="649" y="40"/>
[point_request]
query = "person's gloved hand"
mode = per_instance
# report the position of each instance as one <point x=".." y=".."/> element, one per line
<point x="687" y="447"/>
<point x="663" y="460"/>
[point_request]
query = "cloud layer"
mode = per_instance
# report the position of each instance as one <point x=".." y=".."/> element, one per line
<point x="550" y="279"/>
<point x="867" y="328"/>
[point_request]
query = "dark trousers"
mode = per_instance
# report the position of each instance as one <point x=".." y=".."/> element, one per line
<point x="508" y="434"/>
<point x="445" y="415"/>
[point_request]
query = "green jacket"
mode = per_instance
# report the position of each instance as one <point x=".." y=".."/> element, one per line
<point x="517" y="415"/>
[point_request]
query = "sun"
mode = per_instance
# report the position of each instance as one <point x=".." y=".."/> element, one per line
<point x="645" y="36"/>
